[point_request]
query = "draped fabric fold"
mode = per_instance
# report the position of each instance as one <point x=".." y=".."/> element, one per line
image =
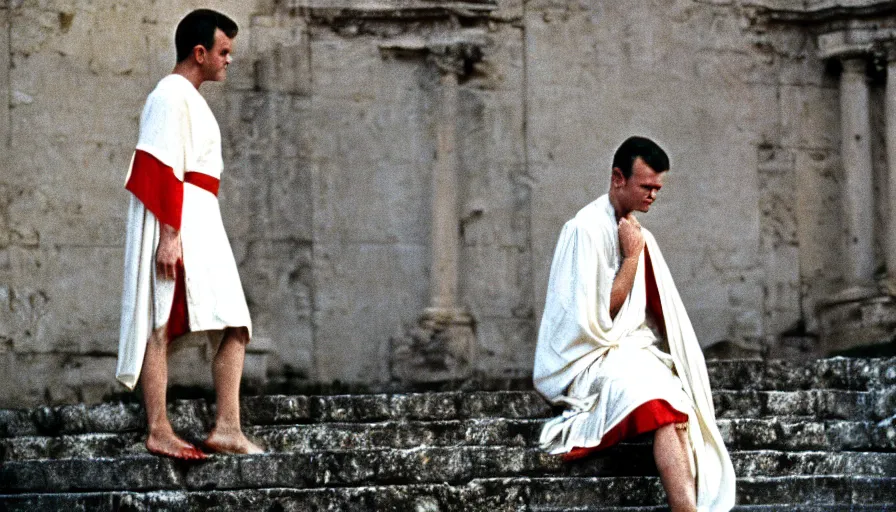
<point x="155" y="180"/>
<point x="603" y="369"/>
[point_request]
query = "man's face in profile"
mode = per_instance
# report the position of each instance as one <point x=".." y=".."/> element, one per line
<point x="639" y="191"/>
<point x="217" y="59"/>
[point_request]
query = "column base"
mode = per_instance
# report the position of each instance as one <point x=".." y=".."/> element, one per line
<point x="439" y="315"/>
<point x="440" y="347"/>
<point x="865" y="324"/>
<point x="888" y="286"/>
<point x="851" y="294"/>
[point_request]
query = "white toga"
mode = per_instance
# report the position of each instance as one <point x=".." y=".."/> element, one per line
<point x="179" y="130"/>
<point x="603" y="368"/>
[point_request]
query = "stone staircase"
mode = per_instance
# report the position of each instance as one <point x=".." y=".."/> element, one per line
<point x="803" y="437"/>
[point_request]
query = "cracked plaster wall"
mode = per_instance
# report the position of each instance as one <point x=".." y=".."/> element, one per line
<point x="328" y="148"/>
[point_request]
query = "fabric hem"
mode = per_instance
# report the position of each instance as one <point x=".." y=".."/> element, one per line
<point x="640" y="419"/>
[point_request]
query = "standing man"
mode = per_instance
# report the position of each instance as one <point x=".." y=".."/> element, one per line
<point x="617" y="349"/>
<point x="180" y="274"/>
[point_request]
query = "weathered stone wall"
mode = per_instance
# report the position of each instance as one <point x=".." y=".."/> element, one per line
<point x="329" y="145"/>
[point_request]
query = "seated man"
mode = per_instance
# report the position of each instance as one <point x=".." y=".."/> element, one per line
<point x="617" y="349"/>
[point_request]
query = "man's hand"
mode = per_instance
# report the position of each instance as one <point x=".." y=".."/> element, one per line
<point x="631" y="240"/>
<point x="169" y="253"/>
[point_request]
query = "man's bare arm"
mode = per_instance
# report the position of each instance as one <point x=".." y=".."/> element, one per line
<point x="631" y="240"/>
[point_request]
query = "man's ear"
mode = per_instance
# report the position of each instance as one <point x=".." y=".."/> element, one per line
<point x="617" y="179"/>
<point x="200" y="53"/>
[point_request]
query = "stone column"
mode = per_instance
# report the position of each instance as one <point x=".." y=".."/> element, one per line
<point x="5" y="96"/>
<point x="444" y="236"/>
<point x="859" y="315"/>
<point x="858" y="193"/>
<point x="442" y="345"/>
<point x="890" y="120"/>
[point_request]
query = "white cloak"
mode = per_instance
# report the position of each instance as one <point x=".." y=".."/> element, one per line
<point x="602" y="368"/>
<point x="179" y="130"/>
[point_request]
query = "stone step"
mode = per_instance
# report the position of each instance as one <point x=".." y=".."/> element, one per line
<point x="855" y="374"/>
<point x="774" y="433"/>
<point x="629" y="494"/>
<point x="554" y="493"/>
<point x="826" y="374"/>
<point x="796" y="434"/>
<point x="777" y="507"/>
<point x="381" y="467"/>
<point x="273" y="410"/>
<point x="823" y="404"/>
<point x="789" y="434"/>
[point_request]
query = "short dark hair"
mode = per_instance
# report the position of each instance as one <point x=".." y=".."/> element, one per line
<point x="634" y="147"/>
<point x="198" y="27"/>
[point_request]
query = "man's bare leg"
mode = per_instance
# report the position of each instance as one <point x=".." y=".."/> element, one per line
<point x="670" y="447"/>
<point x="154" y="380"/>
<point x="227" y="368"/>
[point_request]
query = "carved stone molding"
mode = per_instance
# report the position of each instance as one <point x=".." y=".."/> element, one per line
<point x="846" y="44"/>
<point x="815" y="12"/>
<point x="453" y="53"/>
<point x="456" y="58"/>
<point x="844" y="28"/>
<point x="339" y="11"/>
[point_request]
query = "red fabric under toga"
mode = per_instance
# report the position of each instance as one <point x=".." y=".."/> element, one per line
<point x="648" y="416"/>
<point x="178" y="319"/>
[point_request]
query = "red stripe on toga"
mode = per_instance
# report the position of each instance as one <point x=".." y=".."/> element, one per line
<point x="156" y="186"/>
<point x="647" y="417"/>
<point x="203" y="181"/>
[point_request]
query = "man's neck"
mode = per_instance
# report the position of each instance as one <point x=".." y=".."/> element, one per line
<point x="192" y="73"/>
<point x="620" y="212"/>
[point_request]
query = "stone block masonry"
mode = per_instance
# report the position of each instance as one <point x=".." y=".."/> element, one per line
<point x="331" y="120"/>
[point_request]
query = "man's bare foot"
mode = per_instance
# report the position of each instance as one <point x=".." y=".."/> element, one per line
<point x="234" y="442"/>
<point x="170" y="445"/>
